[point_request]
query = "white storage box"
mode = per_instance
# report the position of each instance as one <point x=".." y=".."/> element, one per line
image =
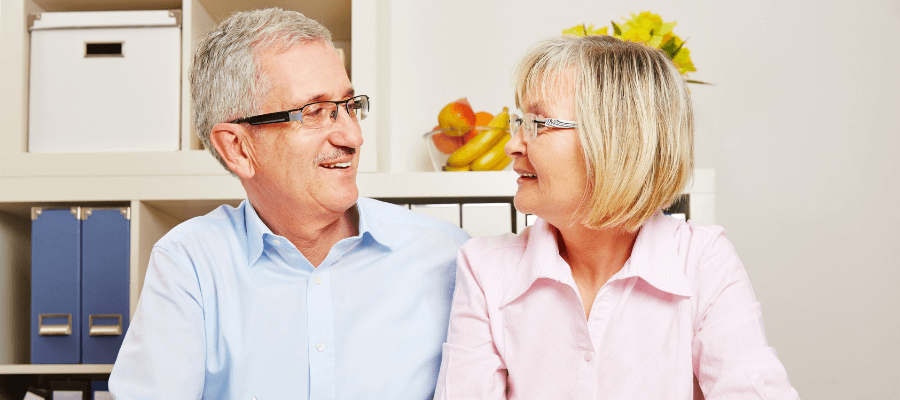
<point x="105" y="81"/>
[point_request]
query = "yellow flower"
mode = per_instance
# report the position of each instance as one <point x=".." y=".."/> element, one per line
<point x="582" y="30"/>
<point x="682" y="60"/>
<point x="648" y="28"/>
<point x="646" y="21"/>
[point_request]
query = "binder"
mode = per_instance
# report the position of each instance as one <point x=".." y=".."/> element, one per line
<point x="100" y="390"/>
<point x="55" y="285"/>
<point x="105" y="243"/>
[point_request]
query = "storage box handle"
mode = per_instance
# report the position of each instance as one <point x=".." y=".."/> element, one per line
<point x="105" y="330"/>
<point x="105" y="49"/>
<point x="57" y="329"/>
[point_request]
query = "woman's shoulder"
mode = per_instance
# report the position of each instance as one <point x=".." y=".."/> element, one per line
<point x="507" y="242"/>
<point x="686" y="234"/>
<point x="494" y="255"/>
<point x="710" y="259"/>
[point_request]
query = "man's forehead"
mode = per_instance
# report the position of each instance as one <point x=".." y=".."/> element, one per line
<point x="305" y="73"/>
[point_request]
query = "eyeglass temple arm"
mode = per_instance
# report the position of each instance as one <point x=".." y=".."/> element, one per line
<point x="281" y="116"/>
<point x="558" y="123"/>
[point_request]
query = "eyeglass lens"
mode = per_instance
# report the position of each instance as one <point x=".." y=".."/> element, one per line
<point x="323" y="114"/>
<point x="526" y="123"/>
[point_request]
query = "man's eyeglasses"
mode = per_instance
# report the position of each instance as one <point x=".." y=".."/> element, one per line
<point x="320" y="114"/>
<point x="530" y="124"/>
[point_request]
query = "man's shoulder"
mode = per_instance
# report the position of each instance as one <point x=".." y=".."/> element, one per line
<point x="218" y="224"/>
<point x="400" y="221"/>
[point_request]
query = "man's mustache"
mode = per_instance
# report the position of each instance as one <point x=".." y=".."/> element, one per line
<point x="335" y="154"/>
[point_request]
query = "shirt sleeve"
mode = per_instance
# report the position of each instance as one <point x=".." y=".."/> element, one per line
<point x="471" y="366"/>
<point x="163" y="354"/>
<point x="732" y="359"/>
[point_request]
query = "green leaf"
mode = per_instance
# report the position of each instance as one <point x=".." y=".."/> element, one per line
<point x="699" y="82"/>
<point x="669" y="47"/>
<point x="616" y="29"/>
<point x="675" y="53"/>
<point x="577" y="30"/>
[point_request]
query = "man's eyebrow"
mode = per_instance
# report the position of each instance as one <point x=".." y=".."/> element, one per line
<point x="319" y="97"/>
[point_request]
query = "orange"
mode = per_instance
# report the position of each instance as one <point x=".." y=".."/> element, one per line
<point x="482" y="118"/>
<point x="444" y="143"/>
<point x="457" y="118"/>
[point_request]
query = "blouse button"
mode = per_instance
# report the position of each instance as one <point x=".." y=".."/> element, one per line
<point x="587" y="356"/>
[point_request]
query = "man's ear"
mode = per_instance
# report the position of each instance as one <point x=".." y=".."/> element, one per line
<point x="232" y="142"/>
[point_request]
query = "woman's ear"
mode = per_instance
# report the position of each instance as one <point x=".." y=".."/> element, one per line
<point x="232" y="142"/>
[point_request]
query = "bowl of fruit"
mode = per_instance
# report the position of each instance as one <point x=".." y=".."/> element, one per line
<point x="465" y="140"/>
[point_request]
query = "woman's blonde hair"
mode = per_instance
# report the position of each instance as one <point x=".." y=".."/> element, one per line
<point x="635" y="123"/>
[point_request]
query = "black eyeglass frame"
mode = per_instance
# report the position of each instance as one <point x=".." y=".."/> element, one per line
<point x="294" y="115"/>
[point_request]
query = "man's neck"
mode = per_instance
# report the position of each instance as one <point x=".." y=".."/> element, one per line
<point x="313" y="235"/>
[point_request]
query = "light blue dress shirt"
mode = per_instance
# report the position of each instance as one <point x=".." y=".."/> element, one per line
<point x="230" y="310"/>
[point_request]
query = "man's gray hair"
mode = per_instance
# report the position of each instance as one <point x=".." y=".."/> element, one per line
<point x="227" y="81"/>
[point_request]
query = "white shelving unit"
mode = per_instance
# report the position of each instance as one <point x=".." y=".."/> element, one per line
<point x="166" y="188"/>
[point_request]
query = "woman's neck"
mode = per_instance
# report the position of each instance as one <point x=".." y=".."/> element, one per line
<point x="594" y="255"/>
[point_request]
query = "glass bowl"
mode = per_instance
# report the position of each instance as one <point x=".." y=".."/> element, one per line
<point x="440" y="148"/>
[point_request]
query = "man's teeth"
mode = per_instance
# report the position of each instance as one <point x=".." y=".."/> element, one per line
<point x="528" y="175"/>
<point x="337" y="165"/>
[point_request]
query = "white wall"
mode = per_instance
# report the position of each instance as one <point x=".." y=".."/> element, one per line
<point x="801" y="127"/>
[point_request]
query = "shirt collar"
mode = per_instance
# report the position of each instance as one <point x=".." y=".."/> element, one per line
<point x="256" y="229"/>
<point x="654" y="259"/>
<point x="540" y="259"/>
<point x="370" y="223"/>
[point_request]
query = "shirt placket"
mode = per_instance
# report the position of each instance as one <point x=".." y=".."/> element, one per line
<point x="320" y="323"/>
<point x="588" y="379"/>
<point x="320" y="327"/>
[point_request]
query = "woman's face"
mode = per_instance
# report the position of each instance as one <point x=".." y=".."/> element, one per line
<point x="551" y="167"/>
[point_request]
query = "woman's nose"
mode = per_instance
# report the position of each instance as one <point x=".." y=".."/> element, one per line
<point x="515" y="147"/>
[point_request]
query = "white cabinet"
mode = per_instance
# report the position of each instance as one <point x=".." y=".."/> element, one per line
<point x="446" y="212"/>
<point x="166" y="188"/>
<point x="487" y="219"/>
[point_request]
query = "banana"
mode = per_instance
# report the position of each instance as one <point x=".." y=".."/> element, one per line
<point x="451" y="168"/>
<point x="482" y="142"/>
<point x="502" y="164"/>
<point x="492" y="157"/>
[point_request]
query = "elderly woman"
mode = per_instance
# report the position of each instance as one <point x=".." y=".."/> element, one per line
<point x="604" y="297"/>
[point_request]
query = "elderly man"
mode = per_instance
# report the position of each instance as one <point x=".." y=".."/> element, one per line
<point x="305" y="290"/>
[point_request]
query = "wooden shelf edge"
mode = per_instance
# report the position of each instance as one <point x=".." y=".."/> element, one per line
<point x="37" y="369"/>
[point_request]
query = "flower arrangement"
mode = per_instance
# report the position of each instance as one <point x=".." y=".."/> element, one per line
<point x="648" y="28"/>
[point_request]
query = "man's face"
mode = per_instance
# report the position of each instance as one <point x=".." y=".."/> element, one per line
<point x="295" y="165"/>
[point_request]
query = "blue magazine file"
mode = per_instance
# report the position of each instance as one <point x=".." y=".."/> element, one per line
<point x="105" y="256"/>
<point x="55" y="285"/>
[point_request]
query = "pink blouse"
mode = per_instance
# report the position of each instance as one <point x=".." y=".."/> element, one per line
<point x="681" y="307"/>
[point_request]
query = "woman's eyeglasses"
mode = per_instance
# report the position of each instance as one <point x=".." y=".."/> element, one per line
<point x="530" y="124"/>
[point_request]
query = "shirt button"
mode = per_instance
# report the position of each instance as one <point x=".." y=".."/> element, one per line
<point x="276" y="242"/>
<point x="318" y="280"/>
<point x="587" y="356"/>
<point x="320" y="347"/>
